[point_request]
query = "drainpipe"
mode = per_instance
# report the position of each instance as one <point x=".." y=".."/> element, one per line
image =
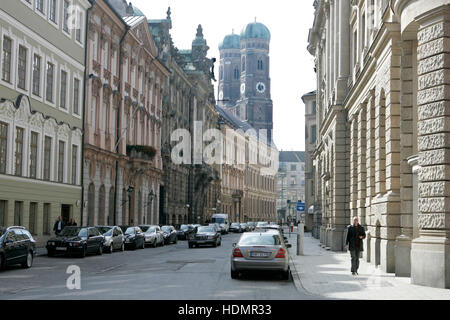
<point x="84" y="107"/>
<point x="118" y="125"/>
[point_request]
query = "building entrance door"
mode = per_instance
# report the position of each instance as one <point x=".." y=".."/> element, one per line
<point x="65" y="212"/>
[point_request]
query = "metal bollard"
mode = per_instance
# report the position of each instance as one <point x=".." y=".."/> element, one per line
<point x="300" y="238"/>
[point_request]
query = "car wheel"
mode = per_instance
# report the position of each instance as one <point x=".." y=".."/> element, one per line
<point x="2" y="262"/>
<point x="285" y="274"/>
<point x="83" y="252"/>
<point x="215" y="245"/>
<point x="29" y="262"/>
<point x="100" y="250"/>
<point x="143" y="244"/>
<point x="234" y="274"/>
<point x="50" y="253"/>
<point x="155" y="244"/>
<point x="191" y="245"/>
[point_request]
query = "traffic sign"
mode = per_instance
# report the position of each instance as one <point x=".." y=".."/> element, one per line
<point x="301" y="207"/>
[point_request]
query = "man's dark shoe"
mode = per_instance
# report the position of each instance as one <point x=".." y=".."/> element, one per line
<point x="353" y="273"/>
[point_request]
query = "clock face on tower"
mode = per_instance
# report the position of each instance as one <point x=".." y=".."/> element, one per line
<point x="243" y="88"/>
<point x="260" y="87"/>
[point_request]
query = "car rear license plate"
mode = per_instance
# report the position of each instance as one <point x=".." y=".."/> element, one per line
<point x="61" y="249"/>
<point x="259" y="254"/>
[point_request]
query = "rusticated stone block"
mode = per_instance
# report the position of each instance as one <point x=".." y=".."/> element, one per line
<point x="430" y="33"/>
<point x="433" y="63"/>
<point x="433" y="47"/>
<point x="433" y="157"/>
<point x="434" y="141"/>
<point x="432" y="221"/>
<point x="433" y="94"/>
<point x="434" y="189"/>
<point x="435" y="173"/>
<point x="435" y="78"/>
<point x="434" y="205"/>
<point x="433" y="110"/>
<point x="432" y="126"/>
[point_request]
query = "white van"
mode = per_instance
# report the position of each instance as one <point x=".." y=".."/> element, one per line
<point x="222" y="219"/>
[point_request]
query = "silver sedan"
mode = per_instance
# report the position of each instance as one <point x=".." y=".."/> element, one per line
<point x="260" y="251"/>
<point x="153" y="235"/>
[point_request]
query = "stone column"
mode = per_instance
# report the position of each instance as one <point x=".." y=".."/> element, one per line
<point x="370" y="179"/>
<point x="403" y="242"/>
<point x="353" y="165"/>
<point x="361" y="165"/>
<point x="430" y="253"/>
<point x="343" y="61"/>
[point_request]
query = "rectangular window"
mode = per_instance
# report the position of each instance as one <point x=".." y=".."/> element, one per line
<point x="78" y="29"/>
<point x="6" y="65"/>
<point x="113" y="122"/>
<point x="114" y="65"/>
<point x="104" y="116"/>
<point x="46" y="219"/>
<point x="50" y="76"/>
<point x="61" y="155"/>
<point x="74" y="164"/>
<point x="3" y="146"/>
<point x="125" y="70"/>
<point x="363" y="32"/>
<point x="105" y="56"/>
<point x="52" y="14"/>
<point x="93" y="112"/>
<point x="18" y="213"/>
<point x="19" y="151"/>
<point x="3" y="212"/>
<point x="66" y="16"/>
<point x="76" y="96"/>
<point x="33" y="216"/>
<point x="40" y="5"/>
<point x="22" y="69"/>
<point x="63" y="93"/>
<point x="313" y="133"/>
<point x="293" y="167"/>
<point x="33" y="154"/>
<point x="37" y="75"/>
<point x="47" y="157"/>
<point x="95" y="46"/>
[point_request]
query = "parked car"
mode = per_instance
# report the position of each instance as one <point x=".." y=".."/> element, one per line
<point x="113" y="238"/>
<point x="208" y="235"/>
<point x="218" y="227"/>
<point x="185" y="232"/>
<point x="17" y="246"/>
<point x="235" y="227"/>
<point x="261" y="224"/>
<point x="76" y="240"/>
<point x="258" y="251"/>
<point x="251" y="225"/>
<point x="244" y="227"/>
<point x="170" y="234"/>
<point x="134" y="238"/>
<point x="153" y="235"/>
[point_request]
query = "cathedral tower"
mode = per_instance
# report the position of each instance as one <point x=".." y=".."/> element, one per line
<point x="229" y="70"/>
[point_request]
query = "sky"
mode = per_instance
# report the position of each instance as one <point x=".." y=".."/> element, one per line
<point x="292" y="67"/>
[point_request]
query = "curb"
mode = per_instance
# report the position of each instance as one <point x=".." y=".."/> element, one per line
<point x="296" y="277"/>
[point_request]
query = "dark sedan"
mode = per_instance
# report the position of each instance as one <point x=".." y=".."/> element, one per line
<point x="206" y="236"/>
<point x="134" y="238"/>
<point x="185" y="232"/>
<point x="76" y="240"/>
<point x="236" y="228"/>
<point x="17" y="246"/>
<point x="170" y="234"/>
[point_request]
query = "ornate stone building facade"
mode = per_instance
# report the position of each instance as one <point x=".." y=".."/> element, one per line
<point x="383" y="143"/>
<point x="122" y="161"/>
<point x="190" y="191"/>
<point x="42" y="67"/>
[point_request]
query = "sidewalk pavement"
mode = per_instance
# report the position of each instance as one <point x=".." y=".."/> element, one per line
<point x="327" y="273"/>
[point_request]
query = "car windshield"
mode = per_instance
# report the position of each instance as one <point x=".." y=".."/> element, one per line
<point x="261" y="224"/>
<point x="260" y="239"/>
<point x="71" y="232"/>
<point x="218" y="220"/>
<point x="144" y="228"/>
<point x="108" y="233"/>
<point x="166" y="228"/>
<point x="104" y="230"/>
<point x="130" y="231"/>
<point x="184" y="227"/>
<point x="206" y="229"/>
<point x="235" y="224"/>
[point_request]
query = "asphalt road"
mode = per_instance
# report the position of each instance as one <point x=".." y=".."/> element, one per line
<point x="172" y="272"/>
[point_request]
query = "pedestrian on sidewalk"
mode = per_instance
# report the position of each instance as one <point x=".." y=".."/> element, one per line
<point x="72" y="223"/>
<point x="59" y="225"/>
<point x="355" y="236"/>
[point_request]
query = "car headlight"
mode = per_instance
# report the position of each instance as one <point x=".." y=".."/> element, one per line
<point x="211" y="237"/>
<point x="50" y="243"/>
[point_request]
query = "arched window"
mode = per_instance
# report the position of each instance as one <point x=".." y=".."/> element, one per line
<point x="101" y="206"/>
<point x="91" y="204"/>
<point x="111" y="207"/>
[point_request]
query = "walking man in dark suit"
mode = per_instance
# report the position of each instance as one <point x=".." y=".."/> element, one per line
<point x="59" y="225"/>
<point x="355" y="236"/>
